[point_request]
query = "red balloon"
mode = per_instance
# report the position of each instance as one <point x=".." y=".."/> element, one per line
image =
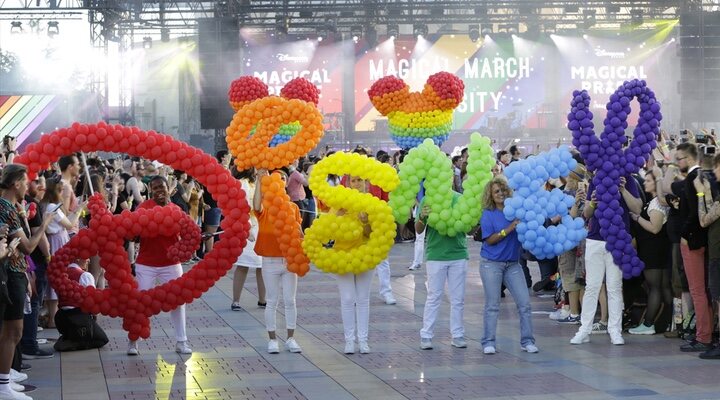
<point x="107" y="232"/>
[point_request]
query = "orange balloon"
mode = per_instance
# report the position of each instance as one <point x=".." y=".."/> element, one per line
<point x="286" y="222"/>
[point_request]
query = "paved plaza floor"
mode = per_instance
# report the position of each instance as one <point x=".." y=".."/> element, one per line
<point x="231" y="362"/>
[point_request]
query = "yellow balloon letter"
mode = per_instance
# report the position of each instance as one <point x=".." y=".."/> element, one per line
<point x="360" y="226"/>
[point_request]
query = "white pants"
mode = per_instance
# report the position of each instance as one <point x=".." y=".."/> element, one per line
<point x="419" y="248"/>
<point x="383" y="273"/>
<point x="355" y="303"/>
<point x="599" y="264"/>
<point x="438" y="272"/>
<point x="275" y="275"/>
<point x="147" y="277"/>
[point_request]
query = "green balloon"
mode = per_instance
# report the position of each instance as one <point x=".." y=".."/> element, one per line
<point x="428" y="162"/>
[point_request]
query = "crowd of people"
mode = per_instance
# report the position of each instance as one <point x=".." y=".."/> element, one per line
<point x="671" y="209"/>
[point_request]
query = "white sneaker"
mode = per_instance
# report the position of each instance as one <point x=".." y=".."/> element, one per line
<point x="560" y="314"/>
<point x="182" y="348"/>
<point x="349" y="348"/>
<point x="17" y="376"/>
<point x="293" y="346"/>
<point x="17" y="387"/>
<point x="459" y="342"/>
<point x="426" y="344"/>
<point x="414" y="267"/>
<point x="13" y="395"/>
<point x="40" y="328"/>
<point x="580" y="338"/>
<point x="531" y="348"/>
<point x="389" y="299"/>
<point x="273" y="346"/>
<point x="364" y="348"/>
<point x="133" y="349"/>
<point x="489" y="350"/>
<point x="617" y="340"/>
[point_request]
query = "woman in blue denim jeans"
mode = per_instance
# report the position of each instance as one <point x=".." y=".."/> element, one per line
<point x="499" y="265"/>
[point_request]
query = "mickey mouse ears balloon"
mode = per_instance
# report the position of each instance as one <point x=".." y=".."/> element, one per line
<point x="414" y="117"/>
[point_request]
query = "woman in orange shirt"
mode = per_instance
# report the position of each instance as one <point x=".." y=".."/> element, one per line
<point x="274" y="270"/>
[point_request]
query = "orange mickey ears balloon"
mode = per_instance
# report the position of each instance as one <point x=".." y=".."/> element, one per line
<point x="267" y="115"/>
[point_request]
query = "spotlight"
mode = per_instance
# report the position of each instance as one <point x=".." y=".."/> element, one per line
<point x="147" y="42"/>
<point x="320" y="39"/>
<point x="474" y="32"/>
<point x="420" y="30"/>
<point x="356" y="32"/>
<point x="371" y="36"/>
<point x="16" y="27"/>
<point x="393" y="30"/>
<point x="164" y="35"/>
<point x="487" y="31"/>
<point x="636" y="17"/>
<point x="588" y="19"/>
<point x="282" y="24"/>
<point x="53" y="28"/>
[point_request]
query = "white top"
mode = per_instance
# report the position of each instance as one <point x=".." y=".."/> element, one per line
<point x="249" y="258"/>
<point x="54" y="227"/>
<point x="656" y="206"/>
<point x="86" y="279"/>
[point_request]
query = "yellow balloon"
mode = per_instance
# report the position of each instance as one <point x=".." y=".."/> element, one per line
<point x="352" y="250"/>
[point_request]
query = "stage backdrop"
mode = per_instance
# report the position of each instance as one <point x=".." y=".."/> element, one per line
<point x="517" y="84"/>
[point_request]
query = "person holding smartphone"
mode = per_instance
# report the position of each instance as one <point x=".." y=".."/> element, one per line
<point x="58" y="231"/>
<point x="14" y="185"/>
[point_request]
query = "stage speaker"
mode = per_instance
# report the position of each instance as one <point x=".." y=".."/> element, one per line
<point x="219" y="59"/>
<point x="699" y="50"/>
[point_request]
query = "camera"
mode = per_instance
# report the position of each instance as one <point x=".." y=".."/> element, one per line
<point x="709" y="150"/>
<point x="701" y="138"/>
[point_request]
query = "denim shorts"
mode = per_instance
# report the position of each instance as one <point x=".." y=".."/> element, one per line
<point x="17" y="288"/>
<point x="212" y="217"/>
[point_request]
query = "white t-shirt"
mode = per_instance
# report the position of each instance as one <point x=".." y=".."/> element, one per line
<point x="656" y="206"/>
<point x="86" y="279"/>
<point x="54" y="227"/>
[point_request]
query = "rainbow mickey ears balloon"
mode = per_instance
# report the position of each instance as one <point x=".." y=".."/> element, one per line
<point x="414" y="117"/>
<point x="247" y="89"/>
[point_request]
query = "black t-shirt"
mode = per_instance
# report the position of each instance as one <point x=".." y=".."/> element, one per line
<point x="36" y="221"/>
<point x="207" y="198"/>
<point x="177" y="198"/>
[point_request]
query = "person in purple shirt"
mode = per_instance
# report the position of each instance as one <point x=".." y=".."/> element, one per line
<point x="599" y="265"/>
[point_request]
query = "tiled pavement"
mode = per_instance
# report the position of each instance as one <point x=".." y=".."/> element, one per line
<point x="230" y="361"/>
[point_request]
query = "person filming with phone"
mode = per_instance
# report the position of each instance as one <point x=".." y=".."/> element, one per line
<point x="14" y="185"/>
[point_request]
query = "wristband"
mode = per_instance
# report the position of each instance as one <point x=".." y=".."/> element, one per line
<point x="503" y="233"/>
<point x="700" y="194"/>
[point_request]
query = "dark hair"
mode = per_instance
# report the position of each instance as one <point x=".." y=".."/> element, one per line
<point x="156" y="178"/>
<point x="455" y="159"/>
<point x="220" y="154"/>
<point x="514" y="149"/>
<point x="501" y="153"/>
<point x="360" y="150"/>
<point x="383" y="157"/>
<point x="248" y="174"/>
<point x="463" y="151"/>
<point x="11" y="174"/>
<point x="65" y="161"/>
<point x="380" y="153"/>
<point x="689" y="149"/>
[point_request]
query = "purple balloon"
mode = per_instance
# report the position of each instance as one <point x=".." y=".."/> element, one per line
<point x="604" y="156"/>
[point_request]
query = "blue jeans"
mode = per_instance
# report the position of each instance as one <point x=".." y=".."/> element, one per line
<point x="493" y="275"/>
<point x="28" y="342"/>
